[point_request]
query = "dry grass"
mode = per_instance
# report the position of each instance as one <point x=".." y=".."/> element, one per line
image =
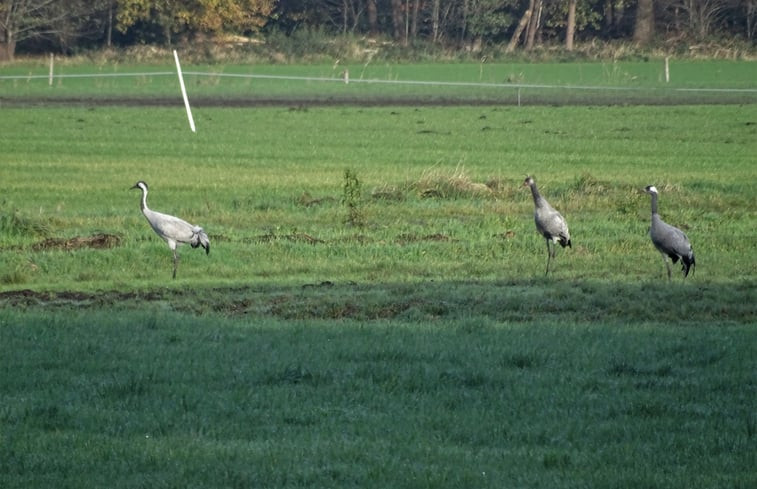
<point x="436" y="182"/>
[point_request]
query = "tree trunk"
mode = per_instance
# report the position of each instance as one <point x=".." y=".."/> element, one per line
<point x="519" y="30"/>
<point x="570" y="31"/>
<point x="435" y="12"/>
<point x="397" y="23"/>
<point x="463" y="31"/>
<point x="7" y="49"/>
<point x="643" y="31"/>
<point x="534" y="24"/>
<point x="414" y="23"/>
<point x="109" y="29"/>
<point x="345" y="15"/>
<point x="372" y="17"/>
<point x="609" y="17"/>
<point x="406" y="30"/>
<point x="5" y="52"/>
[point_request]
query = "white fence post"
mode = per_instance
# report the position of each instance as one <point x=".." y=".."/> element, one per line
<point x="184" y="92"/>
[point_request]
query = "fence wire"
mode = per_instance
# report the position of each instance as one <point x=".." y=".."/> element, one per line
<point x="374" y="91"/>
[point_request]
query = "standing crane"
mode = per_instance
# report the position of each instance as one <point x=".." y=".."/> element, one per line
<point x="669" y="240"/>
<point x="173" y="230"/>
<point x="550" y="223"/>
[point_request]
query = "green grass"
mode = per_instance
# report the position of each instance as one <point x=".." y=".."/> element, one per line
<point x="264" y="182"/>
<point x="611" y="82"/>
<point x="160" y="399"/>
<point x="417" y="346"/>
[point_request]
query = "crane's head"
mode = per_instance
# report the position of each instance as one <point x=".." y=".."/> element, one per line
<point x="140" y="185"/>
<point x="651" y="189"/>
<point x="528" y="181"/>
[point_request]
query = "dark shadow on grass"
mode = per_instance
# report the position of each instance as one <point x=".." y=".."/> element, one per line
<point x="503" y="301"/>
<point x="533" y="97"/>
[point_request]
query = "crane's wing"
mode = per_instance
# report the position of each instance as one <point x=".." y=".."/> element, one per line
<point x="550" y="223"/>
<point x="171" y="227"/>
<point x="669" y="239"/>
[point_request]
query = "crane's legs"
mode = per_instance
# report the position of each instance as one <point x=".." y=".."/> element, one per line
<point x="550" y="255"/>
<point x="175" y="263"/>
<point x="667" y="264"/>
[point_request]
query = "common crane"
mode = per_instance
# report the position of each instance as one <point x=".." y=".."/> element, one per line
<point x="550" y="223"/>
<point x="173" y="230"/>
<point x="669" y="240"/>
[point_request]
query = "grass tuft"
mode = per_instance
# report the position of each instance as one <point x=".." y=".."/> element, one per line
<point x="588" y="184"/>
<point x="14" y="223"/>
<point x="556" y="460"/>
<point x="435" y="183"/>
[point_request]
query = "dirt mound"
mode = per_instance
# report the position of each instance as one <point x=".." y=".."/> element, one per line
<point x="96" y="241"/>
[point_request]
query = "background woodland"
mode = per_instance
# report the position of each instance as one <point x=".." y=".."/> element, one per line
<point x="719" y="27"/>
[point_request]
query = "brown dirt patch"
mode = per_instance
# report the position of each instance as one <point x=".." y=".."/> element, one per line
<point x="96" y="241"/>
<point x="302" y="103"/>
<point x="414" y="238"/>
<point x="294" y="237"/>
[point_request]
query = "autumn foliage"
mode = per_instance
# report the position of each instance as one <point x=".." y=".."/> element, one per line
<point x="208" y="16"/>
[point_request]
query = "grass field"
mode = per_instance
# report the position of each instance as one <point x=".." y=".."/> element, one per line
<point x="152" y="398"/>
<point x="267" y="186"/>
<point x="598" y="83"/>
<point x="408" y="340"/>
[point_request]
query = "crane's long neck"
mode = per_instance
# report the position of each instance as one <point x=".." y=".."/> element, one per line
<point x="537" y="196"/>
<point x="654" y="204"/>
<point x="143" y="202"/>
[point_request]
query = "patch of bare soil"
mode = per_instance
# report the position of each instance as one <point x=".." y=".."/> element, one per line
<point x="326" y="300"/>
<point x="294" y="237"/>
<point x="307" y="200"/>
<point x="302" y="103"/>
<point x="96" y="241"/>
<point x="414" y="238"/>
<point x="26" y="297"/>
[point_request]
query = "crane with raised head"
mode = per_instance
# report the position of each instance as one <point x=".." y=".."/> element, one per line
<point x="173" y="230"/>
<point x="670" y="241"/>
<point x="549" y="223"/>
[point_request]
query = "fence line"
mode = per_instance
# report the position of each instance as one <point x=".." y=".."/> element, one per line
<point x="385" y="82"/>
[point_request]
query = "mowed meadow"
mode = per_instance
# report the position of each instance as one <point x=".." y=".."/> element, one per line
<point x="441" y="194"/>
<point x="374" y="310"/>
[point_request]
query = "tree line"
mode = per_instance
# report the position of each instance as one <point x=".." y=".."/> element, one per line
<point x="39" y="26"/>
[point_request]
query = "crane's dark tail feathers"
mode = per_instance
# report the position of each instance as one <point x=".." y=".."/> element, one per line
<point x="565" y="242"/>
<point x="201" y="239"/>
<point x="688" y="263"/>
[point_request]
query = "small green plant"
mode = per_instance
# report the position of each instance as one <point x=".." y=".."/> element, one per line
<point x="352" y="199"/>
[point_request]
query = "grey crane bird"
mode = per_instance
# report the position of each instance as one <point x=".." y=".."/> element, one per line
<point x="173" y="230"/>
<point x="550" y="223"/>
<point x="669" y="240"/>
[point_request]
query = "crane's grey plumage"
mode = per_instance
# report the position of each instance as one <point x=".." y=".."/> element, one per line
<point x="550" y="223"/>
<point x="669" y="240"/>
<point x="173" y="230"/>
